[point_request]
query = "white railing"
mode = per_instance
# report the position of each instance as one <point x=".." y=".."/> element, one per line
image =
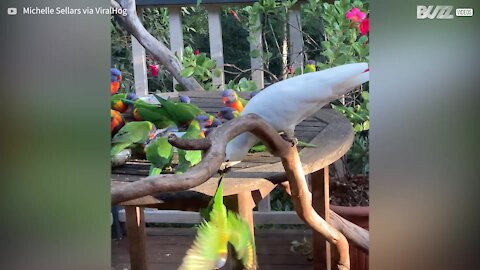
<point x="215" y="40"/>
<point x="264" y="215"/>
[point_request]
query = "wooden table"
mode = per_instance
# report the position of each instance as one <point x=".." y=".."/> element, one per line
<point x="249" y="181"/>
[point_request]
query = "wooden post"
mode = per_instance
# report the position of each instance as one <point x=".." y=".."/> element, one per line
<point x="139" y="66"/>
<point x="176" y="33"/>
<point x="135" y="220"/>
<point x="296" y="37"/>
<point x="257" y="63"/>
<point x="321" y="204"/>
<point x="216" y="44"/>
<point x="242" y="203"/>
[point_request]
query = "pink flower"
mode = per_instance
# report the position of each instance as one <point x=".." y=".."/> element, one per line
<point x="364" y="26"/>
<point x="153" y="70"/>
<point x="196" y="52"/>
<point x="355" y="15"/>
<point x="234" y="14"/>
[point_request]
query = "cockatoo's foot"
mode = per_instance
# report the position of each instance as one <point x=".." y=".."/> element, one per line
<point x="227" y="166"/>
<point x="289" y="137"/>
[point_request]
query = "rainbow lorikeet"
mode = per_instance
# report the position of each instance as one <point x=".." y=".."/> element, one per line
<point x="144" y="111"/>
<point x="180" y="113"/>
<point x="189" y="158"/>
<point x="160" y="153"/>
<point x="115" y="79"/>
<point x="130" y="134"/>
<point x="218" y="229"/>
<point x="310" y="67"/>
<point x="116" y="121"/>
<point x="117" y="101"/>
<point x="227" y="113"/>
<point x="232" y="100"/>
<point x="184" y="99"/>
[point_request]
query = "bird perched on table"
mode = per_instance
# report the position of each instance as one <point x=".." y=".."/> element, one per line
<point x="180" y="113"/>
<point x="232" y="100"/>
<point x="115" y="79"/>
<point x="117" y="103"/>
<point x="184" y="99"/>
<point x="116" y="121"/>
<point x="130" y="134"/>
<point x="227" y="113"/>
<point x="287" y="103"/>
<point x="159" y="152"/>
<point x="219" y="228"/>
<point x="155" y="113"/>
<point x="189" y="158"/>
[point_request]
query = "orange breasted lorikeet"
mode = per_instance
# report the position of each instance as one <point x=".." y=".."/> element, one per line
<point x="116" y="121"/>
<point x="115" y="79"/>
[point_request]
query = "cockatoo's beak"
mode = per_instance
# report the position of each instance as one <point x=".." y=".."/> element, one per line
<point x="119" y="78"/>
<point x="225" y="100"/>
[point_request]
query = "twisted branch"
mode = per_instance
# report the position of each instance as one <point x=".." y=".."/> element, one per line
<point x="213" y="159"/>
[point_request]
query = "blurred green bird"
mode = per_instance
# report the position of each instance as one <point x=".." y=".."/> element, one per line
<point x="221" y="227"/>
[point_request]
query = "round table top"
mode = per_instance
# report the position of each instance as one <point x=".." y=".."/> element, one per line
<point x="331" y="132"/>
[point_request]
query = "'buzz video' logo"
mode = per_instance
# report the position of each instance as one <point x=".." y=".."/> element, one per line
<point x="434" y="12"/>
<point x="442" y="12"/>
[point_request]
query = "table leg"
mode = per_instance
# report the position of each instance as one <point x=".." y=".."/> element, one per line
<point x="321" y="204"/>
<point x="135" y="221"/>
<point x="243" y="204"/>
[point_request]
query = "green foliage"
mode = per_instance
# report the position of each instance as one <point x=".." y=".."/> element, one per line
<point x="359" y="114"/>
<point x="243" y="85"/>
<point x="343" y="43"/>
<point x="198" y="66"/>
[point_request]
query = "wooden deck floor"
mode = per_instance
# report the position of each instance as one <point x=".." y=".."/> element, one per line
<point x="167" y="246"/>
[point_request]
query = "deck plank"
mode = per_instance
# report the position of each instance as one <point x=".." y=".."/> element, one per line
<point x="167" y="246"/>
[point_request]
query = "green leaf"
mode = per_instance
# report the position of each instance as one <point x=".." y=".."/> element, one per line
<point x="325" y="44"/>
<point x="187" y="72"/>
<point x="342" y="59"/>
<point x="217" y="72"/>
<point x="255" y="53"/>
<point x="366" y="125"/>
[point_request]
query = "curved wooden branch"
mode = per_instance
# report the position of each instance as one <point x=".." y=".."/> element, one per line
<point x="198" y="144"/>
<point x="354" y="233"/>
<point x="211" y="161"/>
<point x="159" y="51"/>
<point x="214" y="157"/>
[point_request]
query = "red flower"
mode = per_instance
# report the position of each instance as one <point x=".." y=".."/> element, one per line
<point x="355" y="15"/>
<point x="153" y="70"/>
<point x="235" y="15"/>
<point x="196" y="52"/>
<point x="364" y="26"/>
<point x="292" y="72"/>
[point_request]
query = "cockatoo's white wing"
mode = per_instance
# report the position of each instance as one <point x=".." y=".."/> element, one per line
<point x="287" y="103"/>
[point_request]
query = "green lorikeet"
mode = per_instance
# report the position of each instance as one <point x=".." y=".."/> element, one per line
<point x="189" y="158"/>
<point x="180" y="113"/>
<point x="160" y="153"/>
<point x="130" y="134"/>
<point x="154" y="113"/>
<point x="210" y="248"/>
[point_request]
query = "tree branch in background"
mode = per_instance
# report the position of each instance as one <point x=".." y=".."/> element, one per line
<point x="156" y="48"/>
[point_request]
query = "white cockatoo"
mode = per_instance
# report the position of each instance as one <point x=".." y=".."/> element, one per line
<point x="287" y="103"/>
